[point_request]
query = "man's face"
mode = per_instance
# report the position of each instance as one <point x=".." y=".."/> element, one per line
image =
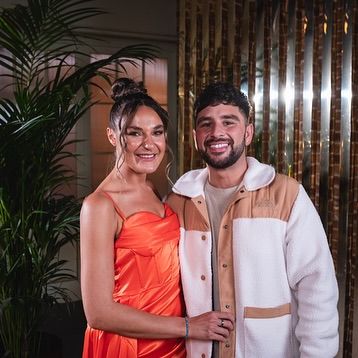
<point x="221" y="135"/>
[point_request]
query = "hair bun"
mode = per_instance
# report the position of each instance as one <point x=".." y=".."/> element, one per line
<point x="124" y="86"/>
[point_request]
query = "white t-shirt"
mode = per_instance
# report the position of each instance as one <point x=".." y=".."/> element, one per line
<point x="217" y="201"/>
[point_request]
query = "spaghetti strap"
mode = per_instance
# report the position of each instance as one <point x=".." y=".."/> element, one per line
<point x="118" y="210"/>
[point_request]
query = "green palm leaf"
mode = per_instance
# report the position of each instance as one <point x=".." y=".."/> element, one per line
<point x="36" y="220"/>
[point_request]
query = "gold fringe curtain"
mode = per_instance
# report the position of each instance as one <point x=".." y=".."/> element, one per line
<point x="251" y="65"/>
<point x="282" y="79"/>
<point x="297" y="61"/>
<point x="352" y="237"/>
<point x="298" y="102"/>
<point x="318" y="32"/>
<point x="266" y="81"/>
<point x="335" y="153"/>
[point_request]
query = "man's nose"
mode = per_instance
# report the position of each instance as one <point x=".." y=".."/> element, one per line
<point x="217" y="130"/>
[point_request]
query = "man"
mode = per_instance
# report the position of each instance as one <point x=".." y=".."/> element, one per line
<point x="251" y="243"/>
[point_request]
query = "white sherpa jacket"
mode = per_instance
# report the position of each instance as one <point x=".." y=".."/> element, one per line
<point x="275" y="268"/>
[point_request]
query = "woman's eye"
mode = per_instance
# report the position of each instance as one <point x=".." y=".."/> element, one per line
<point x="133" y="134"/>
<point x="159" y="132"/>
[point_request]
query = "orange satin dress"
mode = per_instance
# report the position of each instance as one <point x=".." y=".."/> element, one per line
<point x="146" y="267"/>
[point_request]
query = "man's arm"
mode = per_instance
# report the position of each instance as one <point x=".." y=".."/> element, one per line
<point x="312" y="278"/>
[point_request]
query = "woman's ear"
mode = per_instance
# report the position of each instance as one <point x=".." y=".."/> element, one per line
<point x="112" y="137"/>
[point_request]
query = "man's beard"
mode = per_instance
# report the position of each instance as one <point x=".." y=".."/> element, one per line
<point x="226" y="162"/>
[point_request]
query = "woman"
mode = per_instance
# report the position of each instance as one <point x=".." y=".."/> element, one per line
<point x="129" y="261"/>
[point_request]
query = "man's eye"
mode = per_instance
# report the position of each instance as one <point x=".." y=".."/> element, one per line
<point x="205" y="124"/>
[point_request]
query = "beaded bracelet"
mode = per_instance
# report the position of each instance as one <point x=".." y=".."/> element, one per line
<point x="186" y="327"/>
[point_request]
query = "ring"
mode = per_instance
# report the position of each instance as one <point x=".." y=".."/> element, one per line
<point x="222" y="323"/>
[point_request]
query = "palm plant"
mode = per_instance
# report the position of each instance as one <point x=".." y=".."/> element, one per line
<point x="36" y="220"/>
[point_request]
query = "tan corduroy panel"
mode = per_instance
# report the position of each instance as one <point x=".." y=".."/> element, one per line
<point x="270" y="312"/>
<point x="226" y="276"/>
<point x="274" y="201"/>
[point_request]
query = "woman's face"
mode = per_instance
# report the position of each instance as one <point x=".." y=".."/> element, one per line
<point x="145" y="139"/>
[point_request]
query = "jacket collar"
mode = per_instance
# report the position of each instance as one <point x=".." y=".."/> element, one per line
<point x="257" y="175"/>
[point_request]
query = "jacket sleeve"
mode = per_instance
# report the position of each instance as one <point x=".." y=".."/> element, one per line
<point x="312" y="279"/>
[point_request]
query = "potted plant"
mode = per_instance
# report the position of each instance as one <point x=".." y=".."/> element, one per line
<point x="36" y="218"/>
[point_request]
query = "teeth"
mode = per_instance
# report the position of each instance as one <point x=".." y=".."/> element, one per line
<point x="146" y="156"/>
<point x="218" y="145"/>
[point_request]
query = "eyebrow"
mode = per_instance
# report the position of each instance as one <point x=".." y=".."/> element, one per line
<point x="159" y="126"/>
<point x="223" y="117"/>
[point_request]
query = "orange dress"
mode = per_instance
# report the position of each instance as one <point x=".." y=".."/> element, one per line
<point x="146" y="267"/>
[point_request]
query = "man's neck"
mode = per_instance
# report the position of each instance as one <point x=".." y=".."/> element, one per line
<point x="228" y="177"/>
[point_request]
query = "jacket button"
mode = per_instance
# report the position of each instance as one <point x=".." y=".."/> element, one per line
<point x="225" y="226"/>
<point x="203" y="277"/>
<point x="227" y="306"/>
<point x="203" y="237"/>
<point x="242" y="191"/>
<point x="224" y="265"/>
<point x="227" y="345"/>
<point x="203" y="355"/>
<point x="199" y="201"/>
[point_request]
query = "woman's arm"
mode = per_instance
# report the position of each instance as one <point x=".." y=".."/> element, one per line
<point x="99" y="225"/>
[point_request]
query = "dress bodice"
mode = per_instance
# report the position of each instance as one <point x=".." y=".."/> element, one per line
<point x="146" y="277"/>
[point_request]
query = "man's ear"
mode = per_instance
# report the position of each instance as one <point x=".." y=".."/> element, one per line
<point x="194" y="137"/>
<point x="112" y="137"/>
<point x="249" y="134"/>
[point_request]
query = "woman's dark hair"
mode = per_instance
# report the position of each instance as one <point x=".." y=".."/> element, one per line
<point x="128" y="96"/>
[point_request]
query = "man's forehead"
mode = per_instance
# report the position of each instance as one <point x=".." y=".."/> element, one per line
<point x="221" y="111"/>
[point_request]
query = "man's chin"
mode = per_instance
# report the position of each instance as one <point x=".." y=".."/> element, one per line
<point x="219" y="164"/>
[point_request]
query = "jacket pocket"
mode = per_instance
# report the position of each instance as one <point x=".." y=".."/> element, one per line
<point x="268" y="332"/>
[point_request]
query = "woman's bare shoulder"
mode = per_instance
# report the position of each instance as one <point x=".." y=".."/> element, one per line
<point x="97" y="202"/>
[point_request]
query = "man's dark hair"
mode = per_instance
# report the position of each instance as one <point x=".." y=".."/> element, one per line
<point x="222" y="93"/>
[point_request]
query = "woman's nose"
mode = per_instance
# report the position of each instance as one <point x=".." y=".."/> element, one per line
<point x="148" y="143"/>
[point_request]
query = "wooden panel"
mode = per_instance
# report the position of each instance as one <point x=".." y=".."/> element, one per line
<point x="156" y="80"/>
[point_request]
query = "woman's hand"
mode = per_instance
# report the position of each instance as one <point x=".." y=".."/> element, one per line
<point x="211" y="326"/>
